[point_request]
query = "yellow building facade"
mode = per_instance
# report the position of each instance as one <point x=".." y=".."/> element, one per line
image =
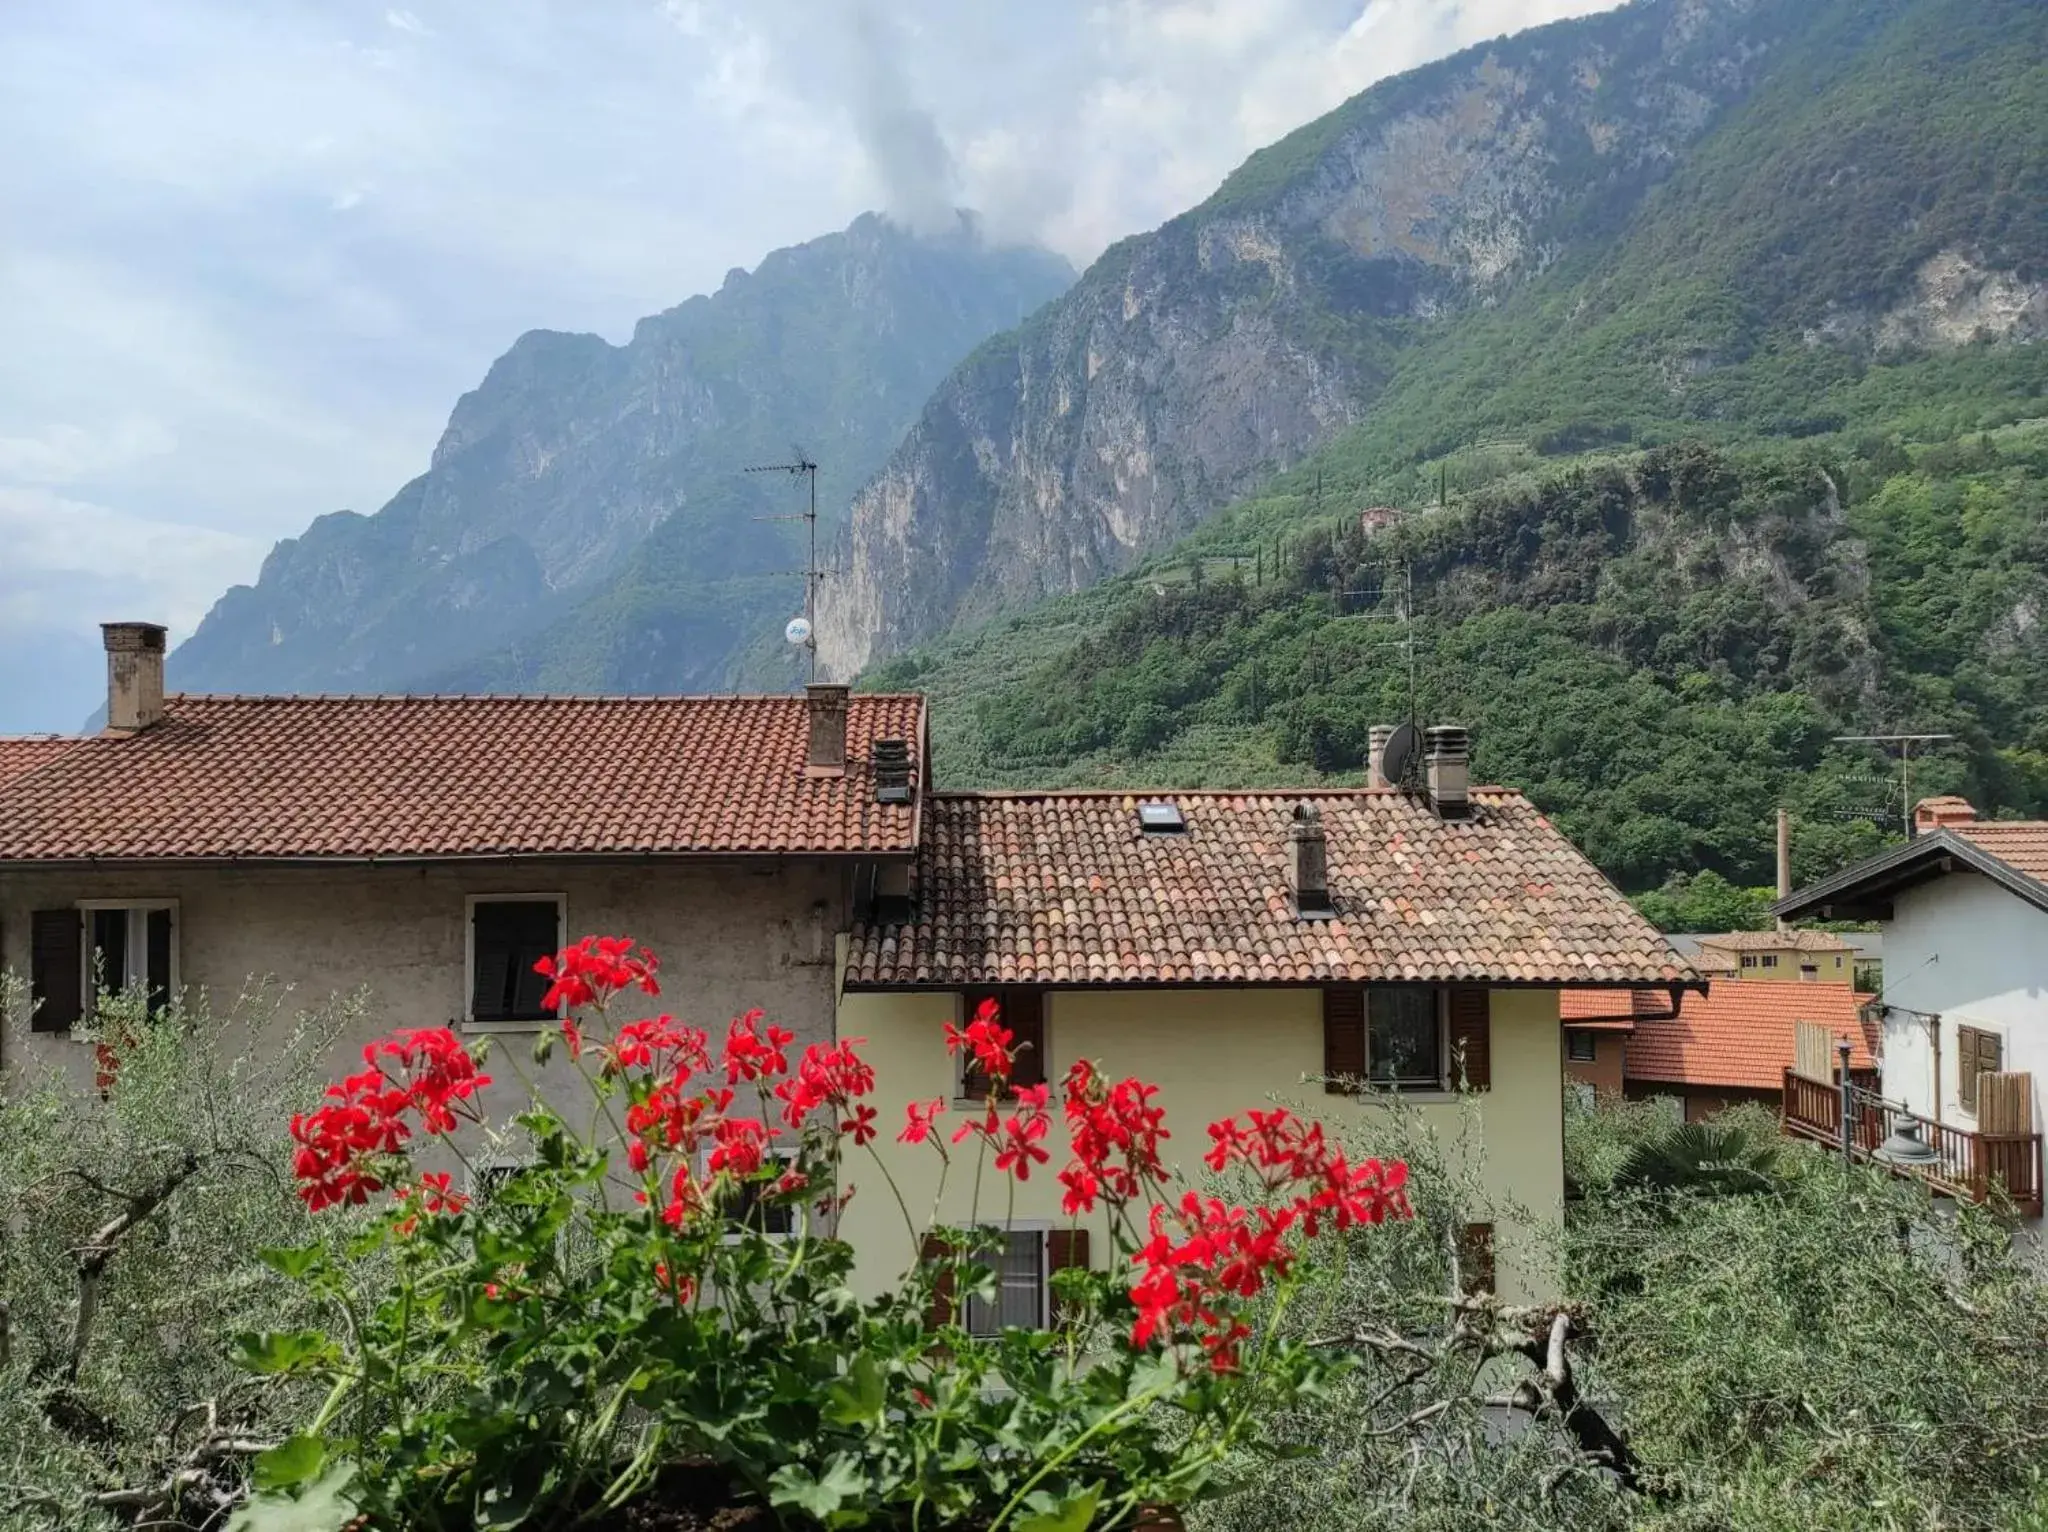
<point x="1213" y="1053"/>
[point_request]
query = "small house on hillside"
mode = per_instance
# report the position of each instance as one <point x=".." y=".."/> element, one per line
<point x="1813" y="956"/>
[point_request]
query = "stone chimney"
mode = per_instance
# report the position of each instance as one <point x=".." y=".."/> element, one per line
<point x="1934" y="813"/>
<point x="1447" y="756"/>
<point x="827" y="754"/>
<point x="135" y="675"/>
<point x="1376" y="755"/>
<point x="1308" y="863"/>
<point x="892" y="771"/>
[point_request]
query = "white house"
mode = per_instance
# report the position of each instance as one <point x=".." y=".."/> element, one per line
<point x="1964" y="908"/>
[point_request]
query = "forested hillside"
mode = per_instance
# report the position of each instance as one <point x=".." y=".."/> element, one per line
<point x="1762" y="465"/>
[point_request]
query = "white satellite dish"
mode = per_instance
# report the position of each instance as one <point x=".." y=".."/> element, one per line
<point x="798" y="631"/>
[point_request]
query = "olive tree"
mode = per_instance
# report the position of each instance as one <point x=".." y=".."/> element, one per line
<point x="140" y="1177"/>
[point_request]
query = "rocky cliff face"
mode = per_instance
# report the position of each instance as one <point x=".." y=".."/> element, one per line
<point x="1189" y="362"/>
<point x="586" y="504"/>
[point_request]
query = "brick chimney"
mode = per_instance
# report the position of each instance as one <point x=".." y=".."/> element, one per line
<point x="135" y="675"/>
<point x="827" y="754"/>
<point x="1376" y="755"/>
<point x="1308" y="863"/>
<point x="1934" y="813"/>
<point x="1447" y="756"/>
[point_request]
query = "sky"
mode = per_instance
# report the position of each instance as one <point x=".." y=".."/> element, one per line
<point x="251" y="251"/>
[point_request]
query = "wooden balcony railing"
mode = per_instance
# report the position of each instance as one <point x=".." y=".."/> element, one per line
<point x="1966" y="1165"/>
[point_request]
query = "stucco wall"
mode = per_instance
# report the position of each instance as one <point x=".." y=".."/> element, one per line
<point x="730" y="936"/>
<point x="1604" y="1070"/>
<point x="1965" y="950"/>
<point x="1212" y="1053"/>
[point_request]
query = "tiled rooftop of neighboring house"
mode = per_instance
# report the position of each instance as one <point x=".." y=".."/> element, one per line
<point x="1735" y="1036"/>
<point x="1069" y="889"/>
<point x="2022" y="844"/>
<point x="1774" y="941"/>
<point x="403" y="777"/>
<point x="21" y="754"/>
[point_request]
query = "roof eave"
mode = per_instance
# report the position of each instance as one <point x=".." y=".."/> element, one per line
<point x="1862" y="891"/>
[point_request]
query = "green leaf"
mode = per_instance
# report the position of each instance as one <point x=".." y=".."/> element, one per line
<point x="1073" y="1514"/>
<point x="297" y="1262"/>
<point x="282" y="1351"/>
<point x="290" y="1463"/>
<point x="544" y="1045"/>
<point x="857" y="1398"/>
<point x="794" y="1485"/>
<point x="321" y="1507"/>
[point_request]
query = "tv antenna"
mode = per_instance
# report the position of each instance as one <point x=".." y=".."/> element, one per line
<point x="805" y="635"/>
<point x="1905" y="742"/>
<point x="1404" y="617"/>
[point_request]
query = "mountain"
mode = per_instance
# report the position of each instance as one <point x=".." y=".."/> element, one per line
<point x="585" y="522"/>
<point x="1683" y="215"/>
<point x="1752" y="453"/>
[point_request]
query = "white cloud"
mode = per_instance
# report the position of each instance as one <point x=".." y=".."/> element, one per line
<point x="59" y="547"/>
<point x="405" y="21"/>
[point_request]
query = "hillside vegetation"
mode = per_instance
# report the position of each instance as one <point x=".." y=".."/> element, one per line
<point x="1764" y="466"/>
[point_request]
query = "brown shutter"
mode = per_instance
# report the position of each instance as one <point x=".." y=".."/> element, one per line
<point x="1343" y="1036"/>
<point x="1064" y="1248"/>
<point x="56" y="959"/>
<point x="1472" y="1033"/>
<point x="1475" y="1257"/>
<point x="1990" y="1053"/>
<point x="940" y="1314"/>
<point x="1968" y="1064"/>
<point x="1023" y="1012"/>
<point x="1024" y="1015"/>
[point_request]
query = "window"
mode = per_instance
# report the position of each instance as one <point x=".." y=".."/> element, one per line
<point x="1410" y="1036"/>
<point x="508" y="934"/>
<point x="1749" y="960"/>
<point x="1768" y="960"/>
<point x="129" y="945"/>
<point x="1023" y="1012"/>
<point x="1160" y="818"/>
<point x="1809" y="971"/>
<point x="1977" y="1053"/>
<point x="1020" y="1268"/>
<point x="1404" y="1035"/>
<point x="1581" y="1047"/>
<point x="744" y="1208"/>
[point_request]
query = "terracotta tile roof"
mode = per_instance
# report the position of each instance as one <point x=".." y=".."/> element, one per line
<point x="463" y="776"/>
<point x="1064" y="888"/>
<point x="2022" y="844"/>
<point x="21" y="754"/>
<point x="1710" y="960"/>
<point x="1775" y="941"/>
<point x="1738" y="1035"/>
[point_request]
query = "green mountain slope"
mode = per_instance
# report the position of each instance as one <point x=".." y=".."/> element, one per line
<point x="1758" y="460"/>
<point x="585" y="522"/>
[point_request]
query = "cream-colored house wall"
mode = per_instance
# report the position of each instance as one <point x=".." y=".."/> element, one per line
<point x="730" y="936"/>
<point x="1213" y="1053"/>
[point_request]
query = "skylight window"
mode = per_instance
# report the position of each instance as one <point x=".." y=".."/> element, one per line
<point x="1160" y="818"/>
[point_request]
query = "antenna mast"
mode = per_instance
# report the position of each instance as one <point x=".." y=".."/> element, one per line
<point x="1905" y="742"/>
<point x="802" y="463"/>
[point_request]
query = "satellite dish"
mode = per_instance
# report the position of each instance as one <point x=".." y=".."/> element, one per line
<point x="799" y="630"/>
<point x="1399" y="754"/>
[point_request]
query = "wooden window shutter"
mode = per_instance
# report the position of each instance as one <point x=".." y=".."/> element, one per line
<point x="1024" y="1015"/>
<point x="1475" y="1258"/>
<point x="1064" y="1248"/>
<point x="1343" y="1037"/>
<point x="1023" y="1012"/>
<point x="940" y="1314"/>
<point x="1976" y="1053"/>
<point x="1472" y="1033"/>
<point x="56" y="960"/>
